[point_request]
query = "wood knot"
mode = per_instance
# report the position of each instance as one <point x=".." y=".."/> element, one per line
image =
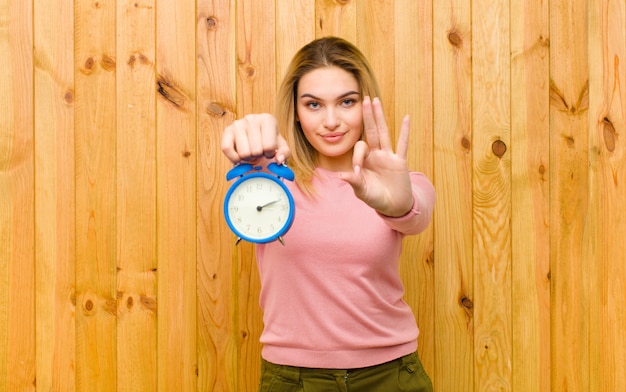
<point x="89" y="66"/>
<point x="499" y="148"/>
<point x="609" y="134"/>
<point x="130" y="302"/>
<point x="69" y="97"/>
<point x="148" y="303"/>
<point x="466" y="302"/>
<point x="216" y="110"/>
<point x="466" y="143"/>
<point x="88" y="306"/>
<point x="186" y="154"/>
<point x="211" y="23"/>
<point x="168" y="91"/>
<point x="455" y="39"/>
<point x="250" y="71"/>
<point x="107" y="63"/>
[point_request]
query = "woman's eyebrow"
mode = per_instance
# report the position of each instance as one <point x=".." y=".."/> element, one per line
<point x="346" y="94"/>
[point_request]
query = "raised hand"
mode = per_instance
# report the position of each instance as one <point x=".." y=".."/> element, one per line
<point x="381" y="177"/>
<point x="254" y="137"/>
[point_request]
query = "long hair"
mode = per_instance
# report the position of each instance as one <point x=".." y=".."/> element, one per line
<point x="320" y="53"/>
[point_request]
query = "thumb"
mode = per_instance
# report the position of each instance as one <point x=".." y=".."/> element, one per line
<point x="355" y="179"/>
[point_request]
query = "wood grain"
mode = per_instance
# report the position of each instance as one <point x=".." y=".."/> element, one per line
<point x="95" y="165"/>
<point x="530" y="199"/>
<point x="336" y="18"/>
<point x="117" y="271"/>
<point x="17" y="199"/>
<point x="176" y="166"/>
<point x="217" y="306"/>
<point x="452" y="160"/>
<point x="491" y="182"/>
<point x="136" y="197"/>
<point x="569" y="195"/>
<point x="55" y="196"/>
<point x="607" y="121"/>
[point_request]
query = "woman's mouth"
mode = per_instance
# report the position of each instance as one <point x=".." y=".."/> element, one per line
<point x="333" y="137"/>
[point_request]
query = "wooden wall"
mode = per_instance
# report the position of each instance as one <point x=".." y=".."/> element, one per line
<point x="117" y="272"/>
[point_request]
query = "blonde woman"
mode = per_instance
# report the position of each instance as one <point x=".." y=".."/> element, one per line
<point x="332" y="297"/>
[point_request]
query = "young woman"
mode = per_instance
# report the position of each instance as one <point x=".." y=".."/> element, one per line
<point x="332" y="297"/>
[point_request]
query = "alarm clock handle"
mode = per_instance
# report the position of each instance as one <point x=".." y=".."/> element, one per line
<point x="281" y="171"/>
<point x="238" y="170"/>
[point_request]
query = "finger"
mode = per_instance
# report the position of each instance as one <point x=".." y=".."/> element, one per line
<point x="269" y="136"/>
<point x="403" y="141"/>
<point x="247" y="139"/>
<point x="360" y="152"/>
<point x="282" y="151"/>
<point x="354" y="178"/>
<point x="228" y="145"/>
<point x="369" y="124"/>
<point x="383" y="132"/>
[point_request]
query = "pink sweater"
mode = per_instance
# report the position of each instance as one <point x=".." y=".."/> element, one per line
<point x="332" y="297"/>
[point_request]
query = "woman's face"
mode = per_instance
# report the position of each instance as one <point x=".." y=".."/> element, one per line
<point x="328" y="107"/>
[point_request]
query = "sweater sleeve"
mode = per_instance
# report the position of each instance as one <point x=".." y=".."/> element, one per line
<point x="418" y="218"/>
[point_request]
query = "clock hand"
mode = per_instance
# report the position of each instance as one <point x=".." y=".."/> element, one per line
<point x="259" y="208"/>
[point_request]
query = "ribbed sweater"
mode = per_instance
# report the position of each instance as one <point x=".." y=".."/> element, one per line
<point x="332" y="296"/>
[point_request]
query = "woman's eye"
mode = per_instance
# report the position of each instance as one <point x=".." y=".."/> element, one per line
<point x="313" y="105"/>
<point x="348" y="102"/>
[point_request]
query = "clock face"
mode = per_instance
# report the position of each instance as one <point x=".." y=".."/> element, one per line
<point x="259" y="208"/>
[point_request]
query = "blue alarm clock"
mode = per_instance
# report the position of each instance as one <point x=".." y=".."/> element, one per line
<point x="259" y="207"/>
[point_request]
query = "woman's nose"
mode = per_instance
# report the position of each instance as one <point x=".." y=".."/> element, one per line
<point x="331" y="121"/>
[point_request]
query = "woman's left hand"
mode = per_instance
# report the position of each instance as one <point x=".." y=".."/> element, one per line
<point x="381" y="177"/>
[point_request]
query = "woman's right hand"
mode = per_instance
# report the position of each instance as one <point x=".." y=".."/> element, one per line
<point x="253" y="137"/>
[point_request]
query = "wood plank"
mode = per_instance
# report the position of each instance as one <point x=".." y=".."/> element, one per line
<point x="491" y="180"/>
<point x="569" y="194"/>
<point x="414" y="96"/>
<point x="17" y="199"/>
<point x="530" y="270"/>
<point x="256" y="77"/>
<point x="176" y="195"/>
<point x="452" y="117"/>
<point x="217" y="312"/>
<point x="136" y="197"/>
<point x="95" y="111"/>
<point x="375" y="31"/>
<point x="606" y="271"/>
<point x="295" y="27"/>
<point x="55" y="195"/>
<point x="336" y="18"/>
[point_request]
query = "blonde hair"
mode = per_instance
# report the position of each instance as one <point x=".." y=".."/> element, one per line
<point x="320" y="53"/>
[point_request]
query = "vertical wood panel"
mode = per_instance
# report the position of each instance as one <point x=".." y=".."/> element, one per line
<point x="136" y="197"/>
<point x="111" y="178"/>
<point x="256" y="89"/>
<point x="569" y="194"/>
<point x="17" y="199"/>
<point x="336" y="18"/>
<point x="295" y="27"/>
<point x="176" y="194"/>
<point x="414" y="96"/>
<point x="607" y="150"/>
<point x="452" y="124"/>
<point x="55" y="195"/>
<point x="217" y="333"/>
<point x="375" y="35"/>
<point x="530" y="270"/>
<point x="95" y="195"/>
<point x="491" y="194"/>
